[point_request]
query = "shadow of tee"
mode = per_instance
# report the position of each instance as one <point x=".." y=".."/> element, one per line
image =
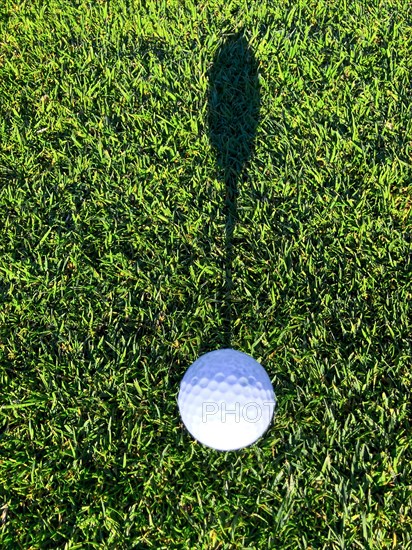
<point x="233" y="115"/>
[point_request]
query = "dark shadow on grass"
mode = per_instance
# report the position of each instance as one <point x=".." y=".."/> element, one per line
<point x="233" y="116"/>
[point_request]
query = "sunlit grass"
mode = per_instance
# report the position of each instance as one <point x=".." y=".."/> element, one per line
<point x="112" y="239"/>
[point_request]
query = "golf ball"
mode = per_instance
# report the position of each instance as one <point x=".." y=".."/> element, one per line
<point x="226" y="400"/>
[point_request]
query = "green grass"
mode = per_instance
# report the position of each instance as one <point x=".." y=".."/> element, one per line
<point x="112" y="247"/>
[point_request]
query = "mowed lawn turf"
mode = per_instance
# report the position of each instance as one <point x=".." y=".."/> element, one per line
<point x="112" y="265"/>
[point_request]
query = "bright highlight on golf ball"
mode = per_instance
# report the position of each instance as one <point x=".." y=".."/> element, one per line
<point x="226" y="400"/>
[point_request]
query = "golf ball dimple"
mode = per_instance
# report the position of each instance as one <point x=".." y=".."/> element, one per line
<point x="226" y="400"/>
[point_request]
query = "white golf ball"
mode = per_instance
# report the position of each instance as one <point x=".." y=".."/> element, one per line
<point x="226" y="400"/>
